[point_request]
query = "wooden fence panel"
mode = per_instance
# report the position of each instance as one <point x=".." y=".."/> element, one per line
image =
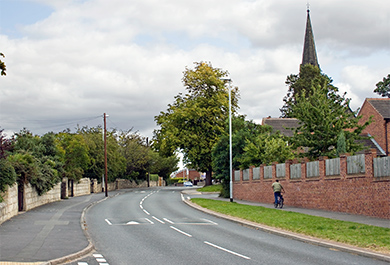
<point x="237" y="175"/>
<point x="313" y="169"/>
<point x="256" y="173"/>
<point x="332" y="167"/>
<point x="295" y="171"/>
<point x="356" y="164"/>
<point x="382" y="167"/>
<point x="268" y="172"/>
<point x="281" y="170"/>
<point x="245" y="174"/>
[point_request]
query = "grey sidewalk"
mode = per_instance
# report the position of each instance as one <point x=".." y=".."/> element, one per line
<point x="51" y="232"/>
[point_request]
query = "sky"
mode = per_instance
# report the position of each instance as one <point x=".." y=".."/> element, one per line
<point x="70" y="61"/>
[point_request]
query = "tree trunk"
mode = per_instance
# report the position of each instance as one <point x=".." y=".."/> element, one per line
<point x="209" y="178"/>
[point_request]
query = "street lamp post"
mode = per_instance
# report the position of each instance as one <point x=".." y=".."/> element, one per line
<point x="230" y="139"/>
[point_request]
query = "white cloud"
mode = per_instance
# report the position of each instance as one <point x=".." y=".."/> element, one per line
<point x="126" y="58"/>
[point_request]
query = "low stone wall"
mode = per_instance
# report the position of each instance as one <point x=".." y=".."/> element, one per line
<point x="33" y="200"/>
<point x="83" y="187"/>
<point x="9" y="207"/>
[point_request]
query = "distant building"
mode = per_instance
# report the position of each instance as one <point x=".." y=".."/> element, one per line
<point x="379" y="129"/>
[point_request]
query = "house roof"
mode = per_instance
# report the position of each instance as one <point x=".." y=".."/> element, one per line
<point x="382" y="105"/>
<point x="309" y="49"/>
<point x="282" y="125"/>
<point x="370" y="143"/>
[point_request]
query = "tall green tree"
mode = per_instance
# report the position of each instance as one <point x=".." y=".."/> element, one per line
<point x="267" y="148"/>
<point x="74" y="151"/>
<point x="322" y="115"/>
<point x="7" y="172"/>
<point x="162" y="166"/>
<point x="383" y="87"/>
<point x="36" y="160"/>
<point x="302" y="84"/>
<point x="196" y="120"/>
<point x="2" y="65"/>
<point x="242" y="131"/>
<point x="135" y="151"/>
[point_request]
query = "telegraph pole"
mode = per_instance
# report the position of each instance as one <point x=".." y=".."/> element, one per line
<point x="105" y="156"/>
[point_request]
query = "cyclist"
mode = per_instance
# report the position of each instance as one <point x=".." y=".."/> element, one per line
<point x="277" y="187"/>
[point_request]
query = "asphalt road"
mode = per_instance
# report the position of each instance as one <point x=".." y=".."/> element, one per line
<point x="154" y="226"/>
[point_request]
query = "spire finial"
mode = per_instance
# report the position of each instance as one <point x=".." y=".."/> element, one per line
<point x="308" y="7"/>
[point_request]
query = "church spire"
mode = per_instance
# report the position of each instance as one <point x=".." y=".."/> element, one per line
<point x="309" y="48"/>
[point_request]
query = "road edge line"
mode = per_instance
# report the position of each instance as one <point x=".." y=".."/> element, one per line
<point x="303" y="238"/>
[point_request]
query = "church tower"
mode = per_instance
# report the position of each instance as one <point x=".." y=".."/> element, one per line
<point x="309" y="49"/>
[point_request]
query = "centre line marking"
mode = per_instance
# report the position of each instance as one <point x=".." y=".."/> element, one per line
<point x="168" y="221"/>
<point x="178" y="230"/>
<point x="108" y="221"/>
<point x="149" y="221"/>
<point x="155" y="218"/>
<point x="224" y="249"/>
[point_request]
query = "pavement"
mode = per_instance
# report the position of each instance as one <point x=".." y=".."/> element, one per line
<point x="56" y="233"/>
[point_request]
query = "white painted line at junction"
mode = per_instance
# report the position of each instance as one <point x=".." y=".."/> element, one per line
<point x="214" y="223"/>
<point x="108" y="221"/>
<point x="149" y="221"/>
<point x="226" y="250"/>
<point x="82" y="263"/>
<point x="182" y="197"/>
<point x="178" y="230"/>
<point x="146" y="212"/>
<point x="188" y="198"/>
<point x="132" y="223"/>
<point x="155" y="218"/>
<point x="97" y="256"/>
<point x="168" y="221"/>
<point x="101" y="260"/>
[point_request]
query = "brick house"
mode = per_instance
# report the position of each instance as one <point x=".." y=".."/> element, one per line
<point x="379" y="129"/>
<point x="190" y="174"/>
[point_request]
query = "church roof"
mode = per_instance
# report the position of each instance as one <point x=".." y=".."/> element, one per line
<point x="309" y="49"/>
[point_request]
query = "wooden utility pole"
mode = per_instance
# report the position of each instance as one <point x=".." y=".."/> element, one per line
<point x="105" y="156"/>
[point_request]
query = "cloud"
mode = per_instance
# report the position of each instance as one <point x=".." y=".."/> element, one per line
<point x="127" y="58"/>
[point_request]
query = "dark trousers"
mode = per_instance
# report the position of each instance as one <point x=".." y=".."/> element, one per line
<point x="277" y="195"/>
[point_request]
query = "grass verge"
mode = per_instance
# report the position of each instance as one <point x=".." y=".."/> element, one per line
<point x="356" y="234"/>
<point x="211" y="188"/>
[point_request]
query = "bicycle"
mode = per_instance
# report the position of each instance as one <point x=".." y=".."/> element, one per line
<point x="280" y="202"/>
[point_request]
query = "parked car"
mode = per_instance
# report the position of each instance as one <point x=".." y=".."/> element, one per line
<point x="187" y="184"/>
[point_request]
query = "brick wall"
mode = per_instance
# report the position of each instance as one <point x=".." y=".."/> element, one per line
<point x="361" y="194"/>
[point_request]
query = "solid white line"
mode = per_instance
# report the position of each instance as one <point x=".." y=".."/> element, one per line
<point x="214" y="223"/>
<point x="155" y="218"/>
<point x="182" y="197"/>
<point x="224" y="249"/>
<point x="146" y="212"/>
<point x="178" y="230"/>
<point x="108" y="221"/>
<point x="149" y="221"/>
<point x="168" y="221"/>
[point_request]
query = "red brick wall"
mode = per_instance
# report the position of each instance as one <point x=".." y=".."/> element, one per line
<point x="356" y="194"/>
<point x="378" y="127"/>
